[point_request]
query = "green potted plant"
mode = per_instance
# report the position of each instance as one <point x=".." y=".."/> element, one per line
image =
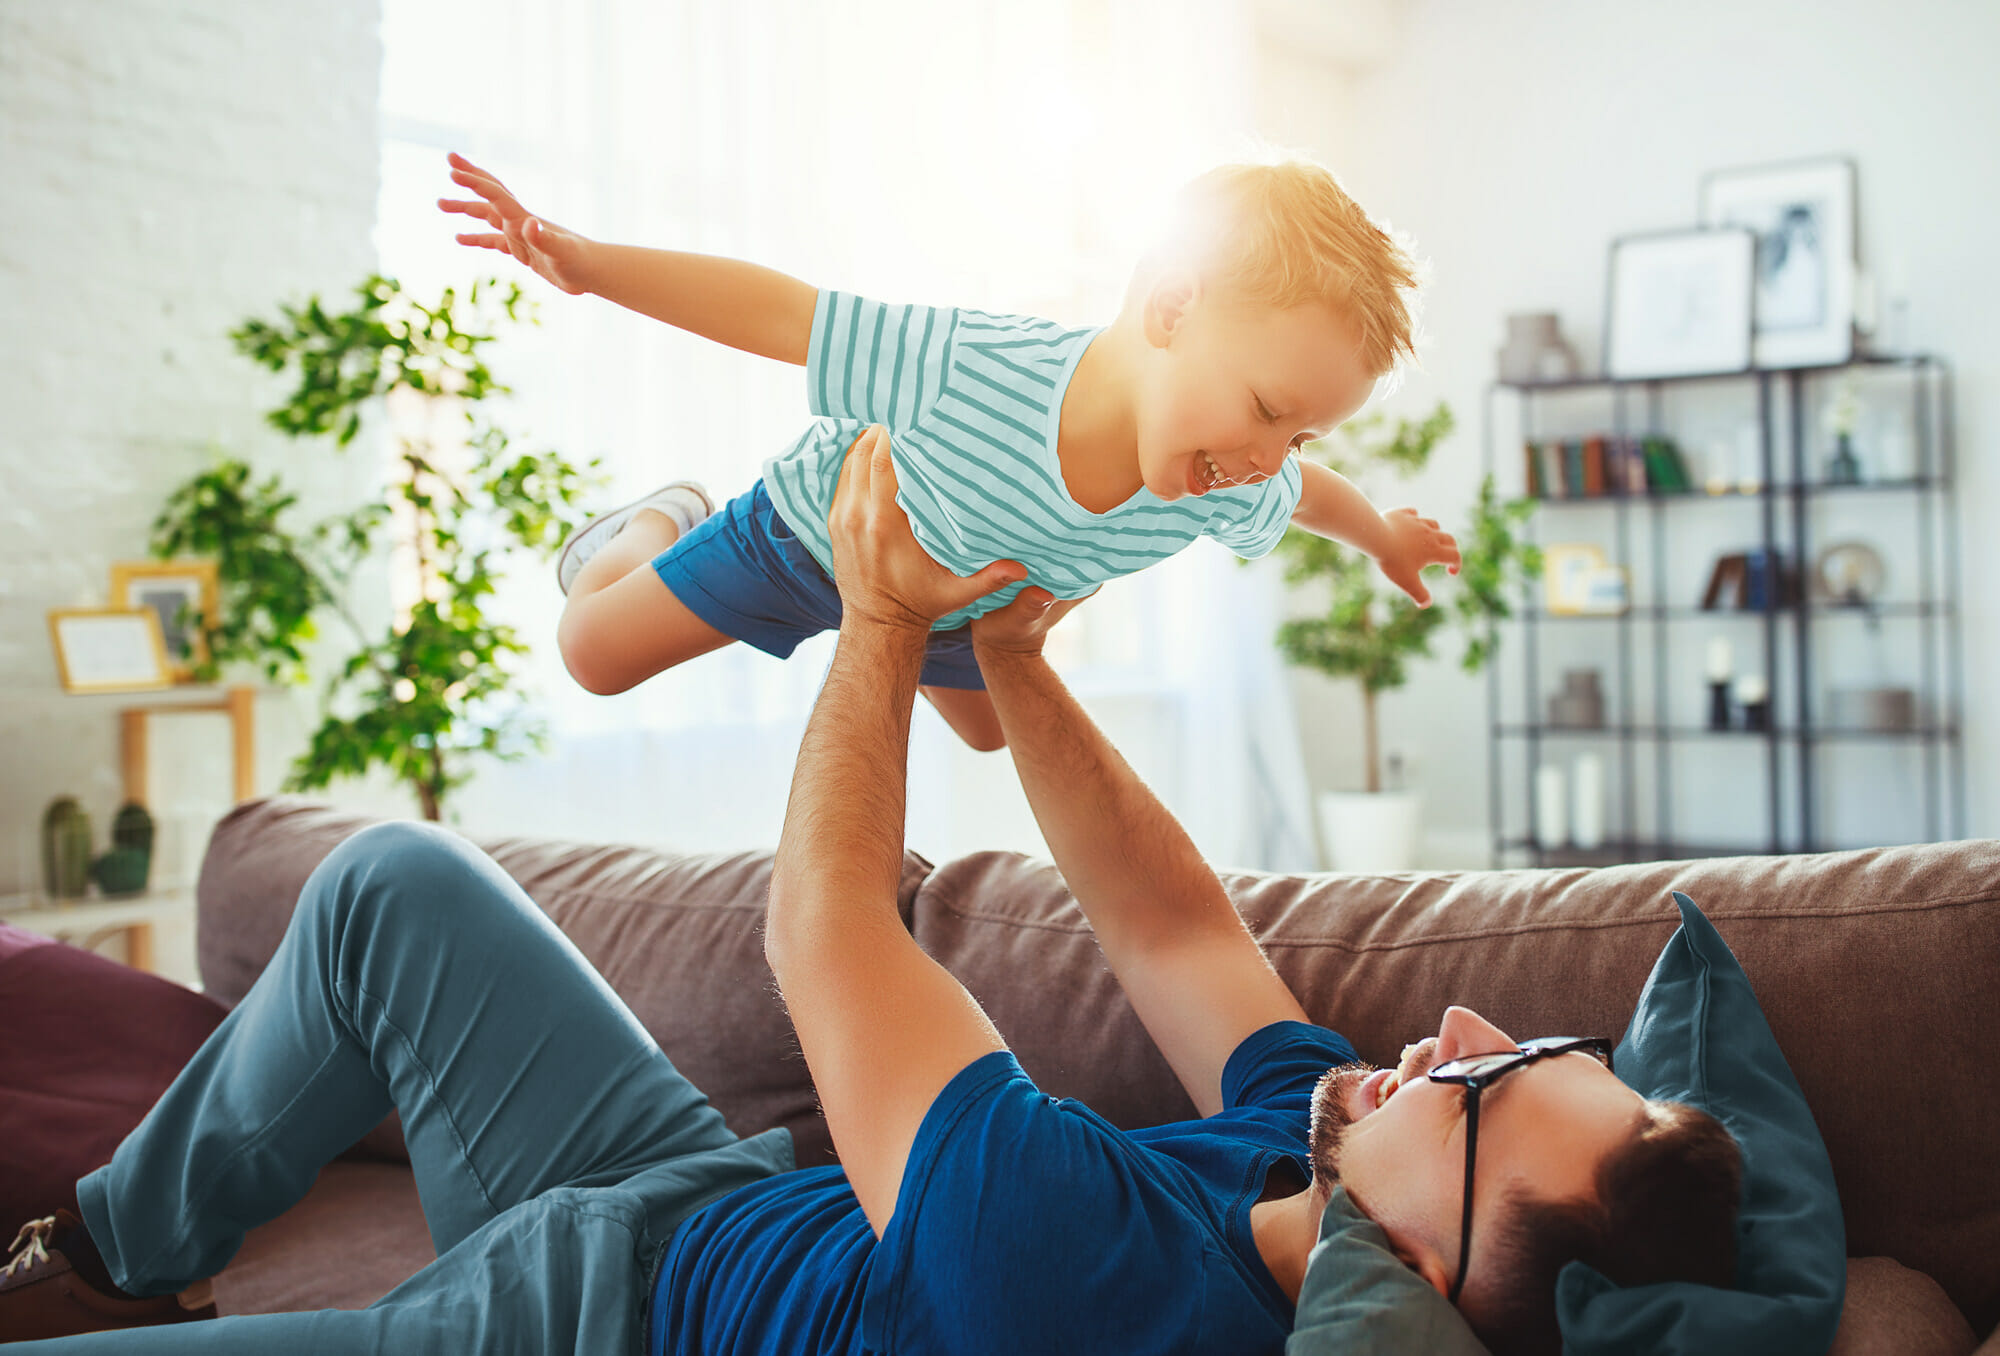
<point x="436" y="687"/>
<point x="1371" y="632"/>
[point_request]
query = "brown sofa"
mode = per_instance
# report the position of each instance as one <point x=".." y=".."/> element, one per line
<point x="1878" y="971"/>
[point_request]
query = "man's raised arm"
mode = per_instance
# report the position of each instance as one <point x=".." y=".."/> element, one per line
<point x="1193" y="972"/>
<point x="883" y="1027"/>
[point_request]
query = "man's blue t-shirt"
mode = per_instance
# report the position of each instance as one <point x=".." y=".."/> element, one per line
<point x="1024" y="1223"/>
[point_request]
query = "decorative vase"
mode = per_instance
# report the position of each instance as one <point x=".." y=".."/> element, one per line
<point x="1845" y="468"/>
<point x="1535" y="350"/>
<point x="1370" y="832"/>
<point x="1586" y="801"/>
<point x="121" y="871"/>
<point x="1551" y="807"/>
<point x="133" y="828"/>
<point x="65" y="849"/>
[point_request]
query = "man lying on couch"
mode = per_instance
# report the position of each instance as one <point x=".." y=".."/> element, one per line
<point x="584" y="1197"/>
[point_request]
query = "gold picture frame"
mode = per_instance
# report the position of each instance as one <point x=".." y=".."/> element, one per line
<point x="1567" y="572"/>
<point x="102" y="649"/>
<point x="182" y="594"/>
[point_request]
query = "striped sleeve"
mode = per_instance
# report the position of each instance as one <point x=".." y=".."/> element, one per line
<point x="874" y="362"/>
<point x="1256" y="528"/>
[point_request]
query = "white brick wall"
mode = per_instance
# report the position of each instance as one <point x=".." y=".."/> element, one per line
<point x="167" y="168"/>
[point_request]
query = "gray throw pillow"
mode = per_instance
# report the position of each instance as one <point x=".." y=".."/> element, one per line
<point x="1359" y="1299"/>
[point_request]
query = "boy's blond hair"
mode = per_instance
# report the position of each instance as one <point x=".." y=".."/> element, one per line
<point x="1285" y="233"/>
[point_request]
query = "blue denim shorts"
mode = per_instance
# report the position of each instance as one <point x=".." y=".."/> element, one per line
<point x="744" y="572"/>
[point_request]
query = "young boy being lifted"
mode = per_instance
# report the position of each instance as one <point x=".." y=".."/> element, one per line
<point x="1264" y="319"/>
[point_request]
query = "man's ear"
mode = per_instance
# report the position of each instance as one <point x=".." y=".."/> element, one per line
<point x="1422" y="1260"/>
<point x="1173" y="294"/>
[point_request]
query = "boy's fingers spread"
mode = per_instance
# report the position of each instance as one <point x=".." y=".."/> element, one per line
<point x="483" y="210"/>
<point x="491" y="242"/>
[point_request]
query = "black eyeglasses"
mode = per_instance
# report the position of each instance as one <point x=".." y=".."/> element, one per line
<point x="1476" y="1072"/>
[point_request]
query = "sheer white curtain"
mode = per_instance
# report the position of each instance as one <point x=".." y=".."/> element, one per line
<point x="1004" y="156"/>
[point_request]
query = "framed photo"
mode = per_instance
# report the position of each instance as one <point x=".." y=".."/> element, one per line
<point x="1569" y="572"/>
<point x="109" y="649"/>
<point x="180" y="593"/>
<point x="1803" y="214"/>
<point x="1679" y="303"/>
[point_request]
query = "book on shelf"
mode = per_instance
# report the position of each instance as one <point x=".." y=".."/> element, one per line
<point x="1664" y="468"/>
<point x="1602" y="465"/>
<point x="1552" y="470"/>
<point x="1593" y="467"/>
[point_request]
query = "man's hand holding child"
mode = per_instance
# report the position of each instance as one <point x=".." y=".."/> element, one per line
<point x="882" y="572"/>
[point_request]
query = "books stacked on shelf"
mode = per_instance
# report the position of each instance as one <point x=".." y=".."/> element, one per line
<point x="1604" y="465"/>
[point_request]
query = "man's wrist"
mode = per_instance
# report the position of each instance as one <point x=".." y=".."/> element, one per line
<point x="884" y="636"/>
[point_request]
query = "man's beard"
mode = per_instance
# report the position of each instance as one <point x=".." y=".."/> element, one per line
<point x="1330" y="1118"/>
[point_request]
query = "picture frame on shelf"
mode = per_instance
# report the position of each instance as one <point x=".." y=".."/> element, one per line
<point x="1679" y="303"/>
<point x="1569" y="570"/>
<point x="1607" y="592"/>
<point x="181" y="593"/>
<point x="1803" y="214"/>
<point x="109" y="650"/>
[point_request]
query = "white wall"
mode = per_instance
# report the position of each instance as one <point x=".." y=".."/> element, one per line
<point x="1514" y="140"/>
<point x="170" y="167"/>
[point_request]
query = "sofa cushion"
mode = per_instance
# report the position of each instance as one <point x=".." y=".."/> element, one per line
<point x="357" y="1235"/>
<point x="92" y="1045"/>
<point x="1894" y="1310"/>
<point x="1699" y="1037"/>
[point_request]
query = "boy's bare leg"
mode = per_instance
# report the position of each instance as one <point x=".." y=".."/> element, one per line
<point x="969" y="712"/>
<point x="621" y="624"/>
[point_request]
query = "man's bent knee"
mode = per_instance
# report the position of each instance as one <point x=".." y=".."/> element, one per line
<point x="391" y="865"/>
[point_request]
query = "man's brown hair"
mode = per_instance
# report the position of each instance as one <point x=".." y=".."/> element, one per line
<point x="1664" y="1210"/>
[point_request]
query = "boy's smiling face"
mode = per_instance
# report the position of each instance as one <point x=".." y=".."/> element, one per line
<point x="1231" y="388"/>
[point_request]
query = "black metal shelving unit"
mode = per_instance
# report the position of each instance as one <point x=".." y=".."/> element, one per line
<point x="1786" y="497"/>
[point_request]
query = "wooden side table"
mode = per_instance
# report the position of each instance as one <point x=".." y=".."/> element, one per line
<point x="91" y="920"/>
<point x="239" y="703"/>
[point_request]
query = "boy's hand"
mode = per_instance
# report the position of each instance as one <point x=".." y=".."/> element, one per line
<point x="1021" y="627"/>
<point x="548" y="249"/>
<point x="880" y="570"/>
<point x="1413" y="543"/>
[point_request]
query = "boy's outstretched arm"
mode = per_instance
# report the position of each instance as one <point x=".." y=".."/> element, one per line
<point x="746" y="306"/>
<point x="1400" y="542"/>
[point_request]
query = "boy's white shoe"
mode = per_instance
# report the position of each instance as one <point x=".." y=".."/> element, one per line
<point x="683" y="501"/>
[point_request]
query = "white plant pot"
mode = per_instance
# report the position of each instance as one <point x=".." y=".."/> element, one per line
<point x="1370" y="831"/>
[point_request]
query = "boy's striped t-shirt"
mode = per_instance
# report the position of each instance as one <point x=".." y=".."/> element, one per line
<point x="972" y="403"/>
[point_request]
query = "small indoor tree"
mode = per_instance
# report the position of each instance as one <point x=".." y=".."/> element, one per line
<point x="438" y="686"/>
<point x="1370" y="631"/>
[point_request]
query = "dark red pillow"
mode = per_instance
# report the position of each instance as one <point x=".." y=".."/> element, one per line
<point x="88" y="1047"/>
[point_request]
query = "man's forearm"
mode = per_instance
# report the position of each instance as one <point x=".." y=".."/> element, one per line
<point x="1132" y="867"/>
<point x="840" y="859"/>
<point x="1331" y="506"/>
<point x="743" y="305"/>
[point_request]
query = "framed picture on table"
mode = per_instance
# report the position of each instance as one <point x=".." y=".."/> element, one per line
<point x="182" y="594"/>
<point x="1679" y="304"/>
<point x="109" y="650"/>
<point x="1803" y="214"/>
